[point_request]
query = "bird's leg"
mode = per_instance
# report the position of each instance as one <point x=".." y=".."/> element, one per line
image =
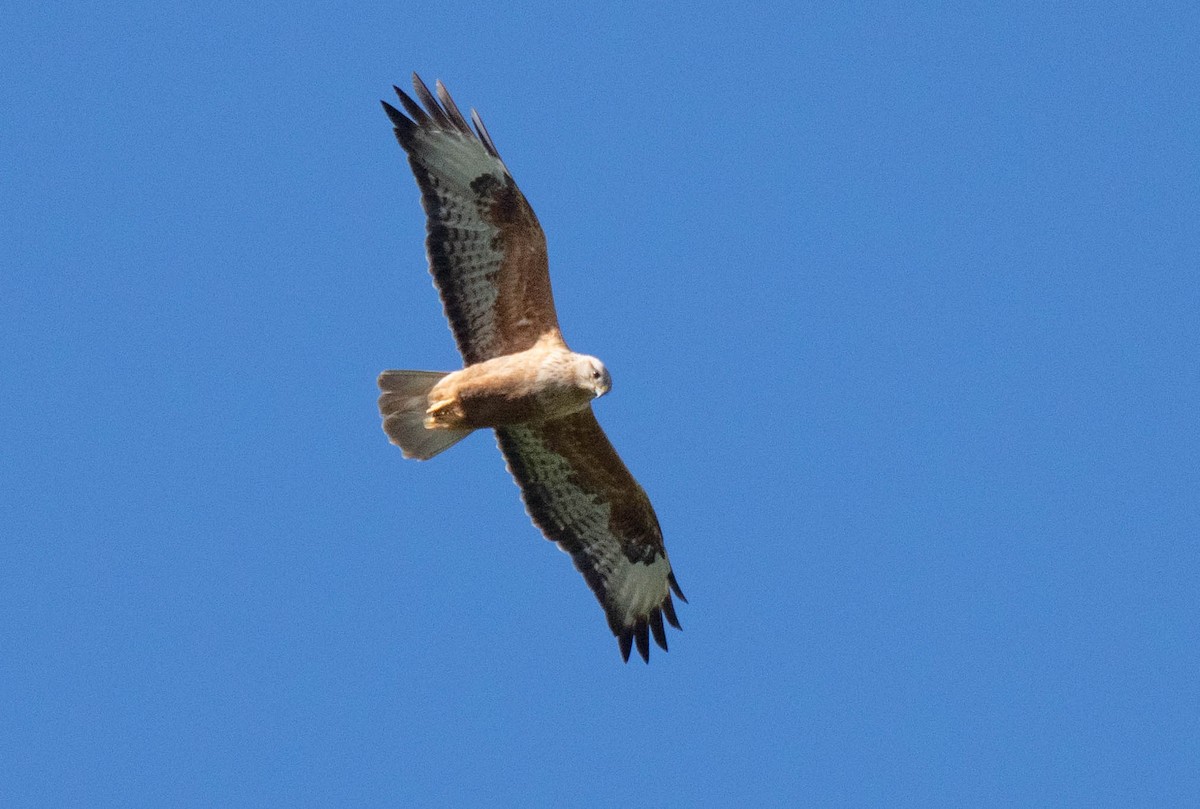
<point x="444" y="414"/>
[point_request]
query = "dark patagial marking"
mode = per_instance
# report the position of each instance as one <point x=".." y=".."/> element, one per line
<point x="484" y="185"/>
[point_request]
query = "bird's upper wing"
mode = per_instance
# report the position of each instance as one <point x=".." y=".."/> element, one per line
<point x="581" y="495"/>
<point x="487" y="252"/>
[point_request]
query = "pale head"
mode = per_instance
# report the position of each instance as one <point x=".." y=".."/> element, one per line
<point x="591" y="375"/>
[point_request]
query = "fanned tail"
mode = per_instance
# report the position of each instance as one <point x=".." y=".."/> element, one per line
<point x="403" y="403"/>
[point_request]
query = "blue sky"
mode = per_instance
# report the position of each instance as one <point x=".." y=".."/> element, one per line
<point x="901" y="306"/>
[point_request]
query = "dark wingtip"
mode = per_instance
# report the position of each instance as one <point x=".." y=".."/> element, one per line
<point x="397" y="117"/>
<point x="456" y="116"/>
<point x="625" y="641"/>
<point x="668" y="609"/>
<point x="481" y="130"/>
<point x="656" y="626"/>
<point x="434" y="111"/>
<point x="642" y="634"/>
<point x="431" y="105"/>
<point x="420" y="86"/>
<point x="675" y="587"/>
<point x="411" y="107"/>
<point x="403" y="127"/>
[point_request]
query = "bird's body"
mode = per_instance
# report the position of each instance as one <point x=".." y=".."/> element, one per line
<point x="488" y="258"/>
<point x="545" y="382"/>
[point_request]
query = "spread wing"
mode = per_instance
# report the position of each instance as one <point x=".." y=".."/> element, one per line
<point x="487" y="252"/>
<point x="580" y="494"/>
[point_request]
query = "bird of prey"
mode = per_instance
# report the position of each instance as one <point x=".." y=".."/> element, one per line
<point x="487" y="255"/>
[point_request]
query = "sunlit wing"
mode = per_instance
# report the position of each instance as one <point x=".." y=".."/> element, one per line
<point x="487" y="252"/>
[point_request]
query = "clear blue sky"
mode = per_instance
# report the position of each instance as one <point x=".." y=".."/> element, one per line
<point x="903" y="314"/>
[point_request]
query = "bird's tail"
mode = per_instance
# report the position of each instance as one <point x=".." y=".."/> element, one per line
<point x="403" y="403"/>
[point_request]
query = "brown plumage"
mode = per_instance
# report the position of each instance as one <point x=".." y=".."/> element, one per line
<point x="487" y="255"/>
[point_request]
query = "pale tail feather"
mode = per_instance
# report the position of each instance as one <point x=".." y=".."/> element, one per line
<point x="403" y="404"/>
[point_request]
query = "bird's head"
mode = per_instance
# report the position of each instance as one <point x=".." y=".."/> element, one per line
<point x="590" y="374"/>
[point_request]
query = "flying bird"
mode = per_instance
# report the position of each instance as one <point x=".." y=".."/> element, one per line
<point x="487" y="255"/>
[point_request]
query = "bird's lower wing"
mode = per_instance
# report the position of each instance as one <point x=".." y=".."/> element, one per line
<point x="581" y="495"/>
